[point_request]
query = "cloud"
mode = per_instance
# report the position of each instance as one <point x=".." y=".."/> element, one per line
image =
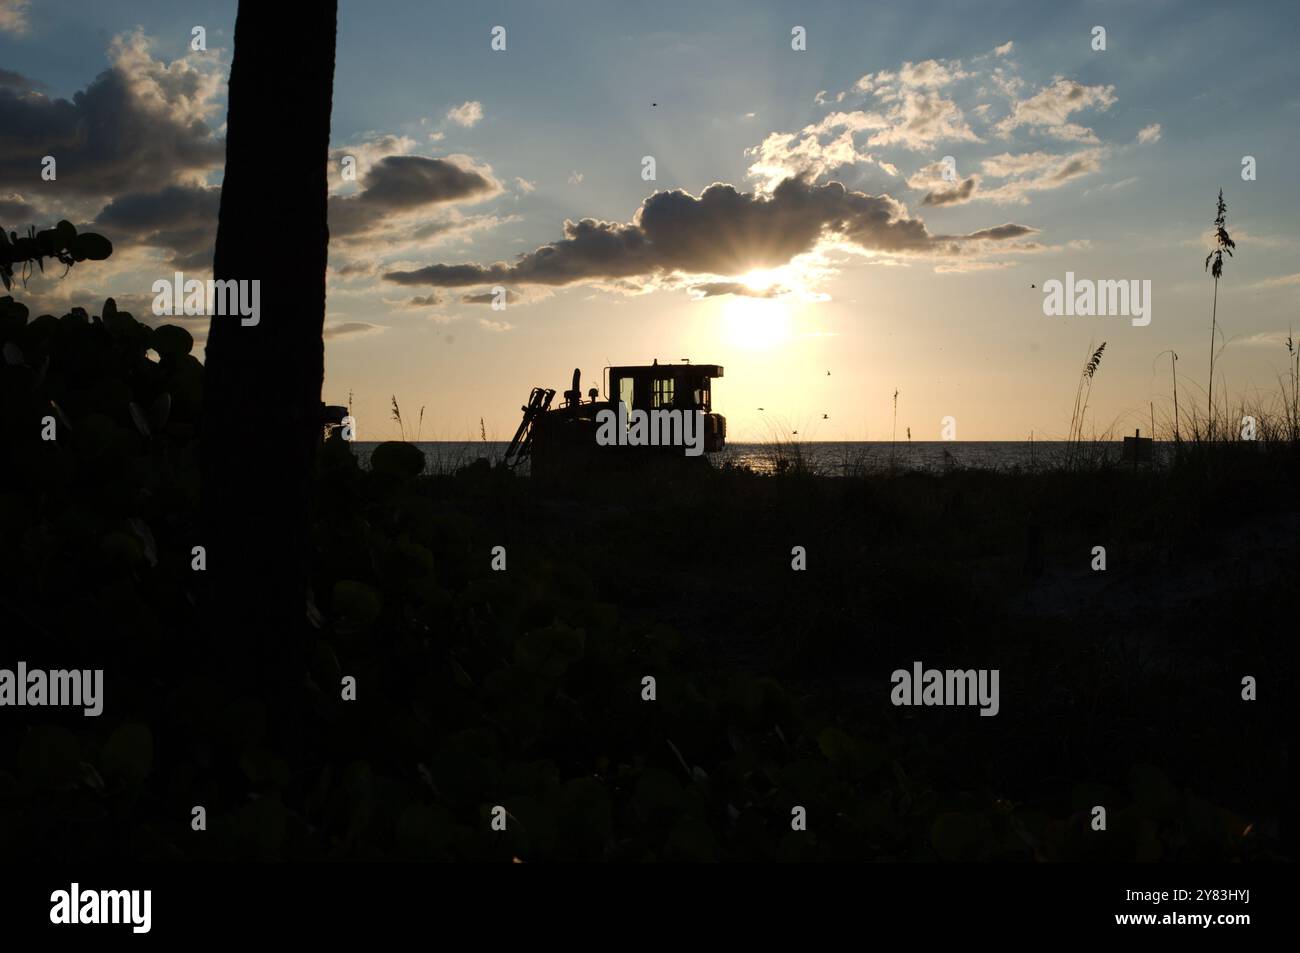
<point x="422" y="301"/>
<point x="720" y="232"/>
<point x="1266" y="339"/>
<point x="928" y="74"/>
<point x="367" y="152"/>
<point x="911" y="113"/>
<point x="16" y="212"/>
<point x="338" y="330"/>
<point x="498" y="326"/>
<point x="139" y="125"/>
<point x="1024" y="173"/>
<point x="354" y="269"/>
<point x="488" y="297"/>
<point x="917" y="114"/>
<point x="957" y="195"/>
<point x="1281" y="281"/>
<point x="785" y="155"/>
<point x="13" y="16"/>
<point x="924" y="107"/>
<point x="403" y="181"/>
<point x="1243" y="237"/>
<point x="714" y="289"/>
<point x="525" y="186"/>
<point x="1113" y="186"/>
<point x="1020" y="164"/>
<point x="576" y="178"/>
<point x="1007" y="82"/>
<point x="402" y="184"/>
<point x="921" y="119"/>
<point x="18" y="80"/>
<point x="1050" y="108"/>
<point x="998" y="233"/>
<point x="179" y="218"/>
<point x="968" y="267"/>
<point x="1149" y="133"/>
<point x="466" y="114"/>
<point x="1035" y="172"/>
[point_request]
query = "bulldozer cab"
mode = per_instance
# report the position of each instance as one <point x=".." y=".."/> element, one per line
<point x="662" y="386"/>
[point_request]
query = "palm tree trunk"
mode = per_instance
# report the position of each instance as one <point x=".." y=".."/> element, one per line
<point x="261" y="415"/>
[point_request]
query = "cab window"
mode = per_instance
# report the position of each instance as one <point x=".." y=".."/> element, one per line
<point x="663" y="392"/>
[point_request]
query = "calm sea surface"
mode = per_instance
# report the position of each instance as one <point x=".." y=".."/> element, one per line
<point x="829" y="458"/>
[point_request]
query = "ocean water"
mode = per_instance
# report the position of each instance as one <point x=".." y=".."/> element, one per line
<point x="829" y="458"/>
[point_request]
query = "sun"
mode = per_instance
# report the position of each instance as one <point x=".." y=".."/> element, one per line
<point x="758" y="314"/>
<point x="756" y="324"/>
<point x="761" y="279"/>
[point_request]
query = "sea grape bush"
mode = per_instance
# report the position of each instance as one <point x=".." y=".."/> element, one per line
<point x="62" y="243"/>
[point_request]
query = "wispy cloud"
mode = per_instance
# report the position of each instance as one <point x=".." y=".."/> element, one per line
<point x="1149" y="133"/>
<point x="13" y="16"/>
<point x="714" y="289"/>
<point x="490" y="297"/>
<point x="466" y="114"/>
<point x="432" y="299"/>
<point x="1265" y="339"/>
<point x="339" y="330"/>
<point x="1113" y="186"/>
<point x="1281" y="281"/>
<point x="946" y="104"/>
<point x="1049" y="110"/>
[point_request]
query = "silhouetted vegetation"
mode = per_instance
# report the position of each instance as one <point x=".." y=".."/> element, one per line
<point x="1214" y="264"/>
<point x="62" y="243"/>
<point x="523" y="688"/>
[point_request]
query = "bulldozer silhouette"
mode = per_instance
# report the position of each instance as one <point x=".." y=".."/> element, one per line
<point x="559" y="441"/>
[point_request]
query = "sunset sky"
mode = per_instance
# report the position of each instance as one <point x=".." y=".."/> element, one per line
<point x="797" y="224"/>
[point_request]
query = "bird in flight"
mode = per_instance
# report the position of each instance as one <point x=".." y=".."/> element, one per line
<point x="826" y="417"/>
